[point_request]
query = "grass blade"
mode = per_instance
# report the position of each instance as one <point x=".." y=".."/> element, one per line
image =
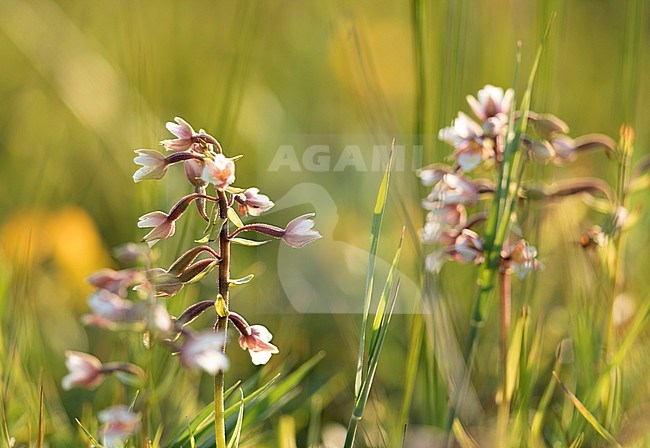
<point x="41" y="416"/>
<point x="377" y="218"/>
<point x="378" y="335"/>
<point x="234" y="439"/>
<point x="593" y="421"/>
<point x="463" y="438"/>
<point x="411" y="371"/>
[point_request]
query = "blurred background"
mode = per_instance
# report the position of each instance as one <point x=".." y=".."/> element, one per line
<point x="83" y="84"/>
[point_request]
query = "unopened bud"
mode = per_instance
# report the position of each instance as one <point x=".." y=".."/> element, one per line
<point x="221" y="306"/>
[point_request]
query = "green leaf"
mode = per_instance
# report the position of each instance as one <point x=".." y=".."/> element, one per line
<point x="234" y="217"/>
<point x="249" y="243"/>
<point x="241" y="281"/>
<point x="204" y="420"/>
<point x="263" y="399"/>
<point x="234" y="190"/>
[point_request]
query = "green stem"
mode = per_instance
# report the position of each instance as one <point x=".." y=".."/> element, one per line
<point x="352" y="431"/>
<point x="505" y="297"/>
<point x="222" y="322"/>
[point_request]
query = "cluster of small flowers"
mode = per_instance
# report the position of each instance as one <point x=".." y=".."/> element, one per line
<point x="129" y="299"/>
<point x="477" y="145"/>
<point x="481" y="146"/>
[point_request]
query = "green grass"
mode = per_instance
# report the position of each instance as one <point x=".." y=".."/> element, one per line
<point x="87" y="84"/>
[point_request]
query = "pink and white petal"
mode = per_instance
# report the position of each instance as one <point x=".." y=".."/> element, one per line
<point x="260" y="358"/>
<point x="152" y="219"/>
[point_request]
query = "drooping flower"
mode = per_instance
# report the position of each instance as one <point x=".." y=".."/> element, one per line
<point x="183" y="132"/>
<point x="154" y="165"/>
<point x="119" y="423"/>
<point x="163" y="227"/>
<point x="114" y="281"/>
<point x="253" y="203"/>
<point x="299" y="232"/>
<point x="220" y="171"/>
<point x="492" y="101"/>
<point x="159" y="320"/>
<point x="564" y="147"/>
<point x="547" y="125"/>
<point x="541" y="151"/>
<point x="257" y="342"/>
<point x="452" y="189"/>
<point x="567" y="149"/>
<point x="254" y="338"/>
<point x="466" y="136"/>
<point x="467" y="248"/>
<point x="440" y="224"/>
<point x="432" y="174"/>
<point x="204" y="351"/>
<point x="84" y="371"/>
<point x="108" y="309"/>
<point x="132" y="253"/>
<point x="521" y="258"/>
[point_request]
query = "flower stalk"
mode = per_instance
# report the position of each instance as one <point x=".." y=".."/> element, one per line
<point x="115" y="308"/>
<point x="222" y="321"/>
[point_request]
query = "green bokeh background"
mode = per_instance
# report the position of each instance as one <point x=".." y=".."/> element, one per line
<point x="84" y="83"/>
